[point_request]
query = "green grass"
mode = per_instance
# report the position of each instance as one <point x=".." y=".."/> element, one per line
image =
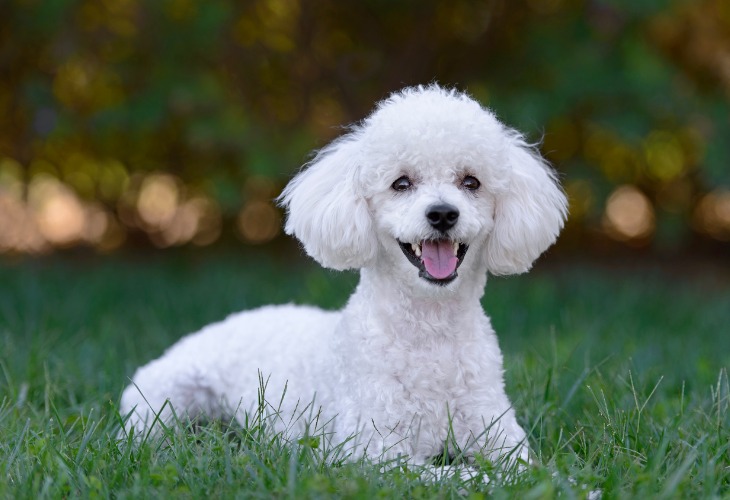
<point x="619" y="375"/>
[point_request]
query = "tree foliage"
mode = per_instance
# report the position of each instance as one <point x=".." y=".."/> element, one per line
<point x="219" y="102"/>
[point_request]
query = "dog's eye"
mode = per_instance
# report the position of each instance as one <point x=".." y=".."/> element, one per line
<point x="470" y="183"/>
<point x="402" y="184"/>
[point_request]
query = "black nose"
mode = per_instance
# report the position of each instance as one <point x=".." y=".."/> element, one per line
<point x="442" y="216"/>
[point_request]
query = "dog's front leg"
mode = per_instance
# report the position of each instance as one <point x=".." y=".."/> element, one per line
<point x="500" y="439"/>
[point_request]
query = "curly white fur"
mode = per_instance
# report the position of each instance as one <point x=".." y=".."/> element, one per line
<point x="411" y="364"/>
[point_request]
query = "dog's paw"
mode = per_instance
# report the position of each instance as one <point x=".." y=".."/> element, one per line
<point x="463" y="473"/>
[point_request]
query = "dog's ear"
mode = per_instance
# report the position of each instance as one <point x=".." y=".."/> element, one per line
<point x="327" y="211"/>
<point x="528" y="214"/>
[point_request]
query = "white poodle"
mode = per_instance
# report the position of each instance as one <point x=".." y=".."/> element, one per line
<point x="425" y="197"/>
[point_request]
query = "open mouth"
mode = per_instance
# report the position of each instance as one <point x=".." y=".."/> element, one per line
<point x="436" y="260"/>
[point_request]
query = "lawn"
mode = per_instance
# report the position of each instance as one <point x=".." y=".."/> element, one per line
<point x="619" y="375"/>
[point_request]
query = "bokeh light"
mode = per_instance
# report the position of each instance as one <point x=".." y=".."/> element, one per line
<point x="664" y="156"/>
<point x="581" y="200"/>
<point x="712" y="215"/>
<point x="259" y="222"/>
<point x="48" y="213"/>
<point x="18" y="231"/>
<point x="157" y="204"/>
<point x="59" y="215"/>
<point x="629" y="215"/>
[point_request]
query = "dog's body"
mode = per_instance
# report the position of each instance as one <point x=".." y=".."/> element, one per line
<point x="426" y="197"/>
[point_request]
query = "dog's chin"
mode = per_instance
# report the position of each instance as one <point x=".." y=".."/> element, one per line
<point x="415" y="254"/>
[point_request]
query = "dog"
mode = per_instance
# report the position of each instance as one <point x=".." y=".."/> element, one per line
<point x="425" y="197"/>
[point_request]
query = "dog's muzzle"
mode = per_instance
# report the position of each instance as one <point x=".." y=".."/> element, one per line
<point x="437" y="260"/>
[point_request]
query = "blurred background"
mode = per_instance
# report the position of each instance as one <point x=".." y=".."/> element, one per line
<point x="130" y="124"/>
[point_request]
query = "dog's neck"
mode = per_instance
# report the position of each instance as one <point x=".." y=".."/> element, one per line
<point x="399" y="308"/>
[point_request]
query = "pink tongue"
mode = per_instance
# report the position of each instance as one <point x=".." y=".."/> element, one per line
<point x="439" y="258"/>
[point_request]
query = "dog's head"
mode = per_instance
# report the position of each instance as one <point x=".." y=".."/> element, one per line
<point x="430" y="180"/>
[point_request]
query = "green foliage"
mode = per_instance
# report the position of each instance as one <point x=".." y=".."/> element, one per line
<point x="218" y="93"/>
<point x="620" y="377"/>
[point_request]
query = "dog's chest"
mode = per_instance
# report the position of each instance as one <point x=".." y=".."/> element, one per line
<point x="413" y="368"/>
<point x="428" y="372"/>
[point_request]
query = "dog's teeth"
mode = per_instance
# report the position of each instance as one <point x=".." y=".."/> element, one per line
<point x="456" y="247"/>
<point x="416" y="249"/>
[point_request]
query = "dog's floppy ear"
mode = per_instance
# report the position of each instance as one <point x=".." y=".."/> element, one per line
<point x="326" y="210"/>
<point x="528" y="214"/>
